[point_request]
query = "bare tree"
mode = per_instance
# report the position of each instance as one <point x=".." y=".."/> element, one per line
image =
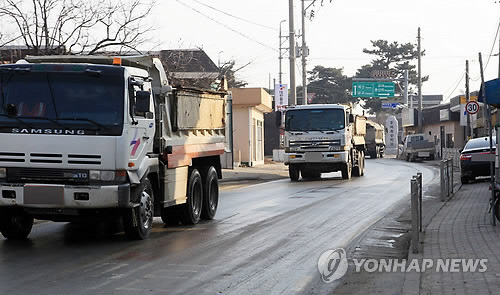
<point x="76" y="26"/>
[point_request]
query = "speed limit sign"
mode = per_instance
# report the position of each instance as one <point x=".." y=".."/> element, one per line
<point x="472" y="107"/>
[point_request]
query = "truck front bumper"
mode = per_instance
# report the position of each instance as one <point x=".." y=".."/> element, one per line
<point x="65" y="196"/>
<point x="316" y="157"/>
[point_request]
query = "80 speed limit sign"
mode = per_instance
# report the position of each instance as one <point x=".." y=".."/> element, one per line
<point x="472" y="107"/>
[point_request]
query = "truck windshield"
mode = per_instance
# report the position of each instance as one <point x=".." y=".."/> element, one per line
<point x="90" y="100"/>
<point x="314" y="120"/>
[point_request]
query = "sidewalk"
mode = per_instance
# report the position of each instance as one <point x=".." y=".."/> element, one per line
<point x="461" y="229"/>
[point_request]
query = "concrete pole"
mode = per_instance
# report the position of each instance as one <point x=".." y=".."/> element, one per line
<point x="405" y="93"/>
<point x="293" y="90"/>
<point x="420" y="119"/>
<point x="304" y="55"/>
<point x="280" y="57"/>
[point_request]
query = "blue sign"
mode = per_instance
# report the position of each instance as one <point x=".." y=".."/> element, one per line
<point x="390" y="105"/>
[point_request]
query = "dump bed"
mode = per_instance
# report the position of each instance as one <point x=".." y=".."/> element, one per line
<point x="374" y="133"/>
<point x="195" y="109"/>
<point x="197" y="116"/>
<point x="359" y="130"/>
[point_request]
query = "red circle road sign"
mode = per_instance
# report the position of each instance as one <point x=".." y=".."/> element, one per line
<point x="472" y="107"/>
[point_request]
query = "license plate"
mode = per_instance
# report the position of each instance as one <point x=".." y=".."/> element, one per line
<point x="423" y="154"/>
<point x="44" y="194"/>
<point x="314" y="157"/>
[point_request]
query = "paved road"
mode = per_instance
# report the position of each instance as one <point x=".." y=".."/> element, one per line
<point x="266" y="239"/>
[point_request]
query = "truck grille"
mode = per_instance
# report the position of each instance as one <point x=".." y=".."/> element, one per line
<point x="323" y="144"/>
<point x="49" y="158"/>
<point x="47" y="175"/>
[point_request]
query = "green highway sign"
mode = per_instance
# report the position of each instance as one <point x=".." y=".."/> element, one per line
<point x="372" y="89"/>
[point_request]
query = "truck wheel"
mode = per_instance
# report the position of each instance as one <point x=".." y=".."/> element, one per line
<point x="293" y="172"/>
<point x="15" y="226"/>
<point x="138" y="221"/>
<point x="377" y="152"/>
<point x="192" y="209"/>
<point x="210" y="193"/>
<point x="347" y="170"/>
<point x="362" y="165"/>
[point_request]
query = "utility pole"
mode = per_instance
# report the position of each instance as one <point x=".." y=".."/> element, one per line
<point x="280" y="57"/>
<point x="405" y="93"/>
<point x="304" y="55"/>
<point x="490" y="131"/>
<point x="420" y="115"/>
<point x="467" y="99"/>
<point x="293" y="90"/>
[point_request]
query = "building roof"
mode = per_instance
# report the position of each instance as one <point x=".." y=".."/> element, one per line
<point x="188" y="60"/>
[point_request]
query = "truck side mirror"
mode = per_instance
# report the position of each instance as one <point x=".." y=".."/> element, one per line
<point x="142" y="101"/>
<point x="278" y="118"/>
<point x="351" y="118"/>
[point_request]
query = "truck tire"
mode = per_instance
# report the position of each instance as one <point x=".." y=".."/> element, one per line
<point x="138" y="221"/>
<point x="362" y="169"/>
<point x="210" y="193"/>
<point x="293" y="172"/>
<point x="377" y="152"/>
<point x="359" y="169"/>
<point x="15" y="226"/>
<point x="347" y="170"/>
<point x="191" y="211"/>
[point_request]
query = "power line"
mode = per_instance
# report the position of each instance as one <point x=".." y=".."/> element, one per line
<point x="451" y="93"/>
<point x="492" y="47"/>
<point x="236" y="17"/>
<point x="237" y="32"/>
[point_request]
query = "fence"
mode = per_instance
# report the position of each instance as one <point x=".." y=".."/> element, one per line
<point x="446" y="174"/>
<point x="416" y="210"/>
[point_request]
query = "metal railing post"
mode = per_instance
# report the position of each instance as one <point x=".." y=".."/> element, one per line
<point x="420" y="202"/>
<point x="451" y="176"/>
<point x="441" y="173"/>
<point x="414" y="215"/>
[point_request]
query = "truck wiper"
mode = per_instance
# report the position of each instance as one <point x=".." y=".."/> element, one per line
<point x="17" y="119"/>
<point x="86" y="120"/>
<point x="43" y="118"/>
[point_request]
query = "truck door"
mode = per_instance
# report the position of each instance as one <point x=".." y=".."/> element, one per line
<point x="142" y="129"/>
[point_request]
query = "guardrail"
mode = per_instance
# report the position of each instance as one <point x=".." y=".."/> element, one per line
<point x="446" y="176"/>
<point x="416" y="210"/>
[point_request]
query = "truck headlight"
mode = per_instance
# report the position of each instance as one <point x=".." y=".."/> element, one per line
<point x="106" y="175"/>
<point x="3" y="172"/>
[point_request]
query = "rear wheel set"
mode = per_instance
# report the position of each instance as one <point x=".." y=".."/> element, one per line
<point x="202" y="199"/>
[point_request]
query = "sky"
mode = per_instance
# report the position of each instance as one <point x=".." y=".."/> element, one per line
<point x="452" y="31"/>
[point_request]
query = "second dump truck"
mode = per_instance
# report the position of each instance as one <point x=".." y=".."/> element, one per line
<point x="324" y="138"/>
<point x="375" y="139"/>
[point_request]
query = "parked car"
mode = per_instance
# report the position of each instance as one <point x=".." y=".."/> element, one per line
<point x="474" y="158"/>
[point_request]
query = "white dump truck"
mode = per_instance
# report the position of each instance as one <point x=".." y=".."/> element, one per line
<point x="95" y="137"/>
<point x="324" y="138"/>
